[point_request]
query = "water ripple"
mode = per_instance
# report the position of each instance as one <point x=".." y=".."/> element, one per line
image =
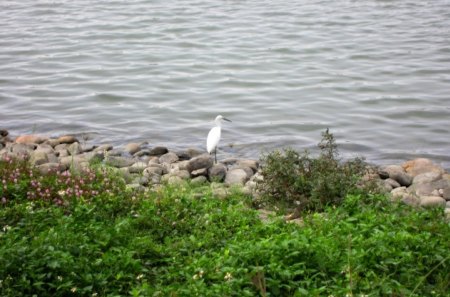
<point x="375" y="72"/>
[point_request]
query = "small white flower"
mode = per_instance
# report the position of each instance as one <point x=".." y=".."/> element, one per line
<point x="61" y="193"/>
<point x="73" y="290"/>
<point x="228" y="276"/>
<point x="139" y="276"/>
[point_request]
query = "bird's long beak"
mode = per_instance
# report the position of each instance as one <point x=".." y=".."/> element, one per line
<point x="226" y="119"/>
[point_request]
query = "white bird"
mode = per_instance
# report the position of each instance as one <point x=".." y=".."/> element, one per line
<point x="214" y="136"/>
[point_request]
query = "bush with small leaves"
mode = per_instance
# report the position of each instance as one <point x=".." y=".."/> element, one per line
<point x="298" y="180"/>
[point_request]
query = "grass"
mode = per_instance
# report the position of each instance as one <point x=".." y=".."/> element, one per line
<point x="183" y="241"/>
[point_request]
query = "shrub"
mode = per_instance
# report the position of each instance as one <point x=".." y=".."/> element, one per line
<point x="297" y="179"/>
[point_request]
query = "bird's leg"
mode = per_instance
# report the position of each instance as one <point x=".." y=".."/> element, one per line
<point x="215" y="155"/>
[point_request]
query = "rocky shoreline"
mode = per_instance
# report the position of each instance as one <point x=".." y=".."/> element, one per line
<point x="418" y="182"/>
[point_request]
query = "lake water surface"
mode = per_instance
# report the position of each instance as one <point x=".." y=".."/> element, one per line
<point x="377" y="73"/>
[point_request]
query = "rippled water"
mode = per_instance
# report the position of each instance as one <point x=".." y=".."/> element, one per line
<point x="376" y="72"/>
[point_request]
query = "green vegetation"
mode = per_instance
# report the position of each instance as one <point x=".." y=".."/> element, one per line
<point x="298" y="180"/>
<point x="85" y="235"/>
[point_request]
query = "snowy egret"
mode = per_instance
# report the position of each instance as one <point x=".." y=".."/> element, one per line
<point x="214" y="136"/>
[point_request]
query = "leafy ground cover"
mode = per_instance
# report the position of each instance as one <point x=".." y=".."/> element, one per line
<point x="183" y="241"/>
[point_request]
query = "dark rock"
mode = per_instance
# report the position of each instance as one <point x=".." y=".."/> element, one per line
<point x="158" y="151"/>
<point x="397" y="173"/>
<point x="199" y="172"/>
<point x="202" y="161"/>
<point x="248" y="163"/>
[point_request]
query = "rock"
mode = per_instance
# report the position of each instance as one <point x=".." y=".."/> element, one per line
<point x="193" y="152"/>
<point x="94" y="155"/>
<point x="52" y="142"/>
<point x="30" y="139"/>
<point x="421" y="165"/>
<point x="236" y="176"/>
<point x="63" y="146"/>
<point x="62" y="153"/>
<point x="70" y="161"/>
<point x="427" y="189"/>
<point x="183" y="174"/>
<point x="383" y="174"/>
<point x="398" y="193"/>
<point x="135" y="187"/>
<point x="141" y="153"/>
<point x="74" y="148"/>
<point x="51" y="167"/>
<point x="38" y="158"/>
<point x="220" y="193"/>
<point x="248" y="163"/>
<point x="202" y="161"/>
<point x="172" y="179"/>
<point x="182" y="155"/>
<point x="45" y="148"/>
<point x="22" y="149"/>
<point x="67" y="139"/>
<point x="446" y="194"/>
<point x="427" y="177"/>
<point x="3" y="133"/>
<point x="132" y="148"/>
<point x="138" y="167"/>
<point x="103" y="148"/>
<point x="199" y="180"/>
<point x="217" y="172"/>
<point x="397" y="173"/>
<point x="158" y="151"/>
<point x="182" y="165"/>
<point x="247" y="170"/>
<point x="119" y="162"/>
<point x="115" y="153"/>
<point x="392" y="182"/>
<point x="432" y="201"/>
<point x="411" y="200"/>
<point x="168" y="158"/>
<point x="199" y="172"/>
<point x="153" y="170"/>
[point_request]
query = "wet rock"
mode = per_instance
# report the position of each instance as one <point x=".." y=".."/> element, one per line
<point x="183" y="155"/>
<point x="142" y="153"/>
<point x="30" y="139"/>
<point x="202" y="161"/>
<point x="427" y="177"/>
<point x="158" y="151"/>
<point x="432" y="201"/>
<point x="118" y="162"/>
<point x="397" y="173"/>
<point x="168" y="158"/>
<point x="67" y="139"/>
<point x="217" y="172"/>
<point x="132" y="148"/>
<point x="421" y="165"/>
<point x="236" y="176"/>
<point x="103" y="148"/>
<point x="3" y="133"/>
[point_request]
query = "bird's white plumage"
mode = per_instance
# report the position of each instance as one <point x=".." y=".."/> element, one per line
<point x="213" y="139"/>
<point x="214" y="135"/>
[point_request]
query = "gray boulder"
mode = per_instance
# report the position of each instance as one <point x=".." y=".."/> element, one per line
<point x="236" y="176"/>
<point x="202" y="161"/>
<point x="217" y="172"/>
